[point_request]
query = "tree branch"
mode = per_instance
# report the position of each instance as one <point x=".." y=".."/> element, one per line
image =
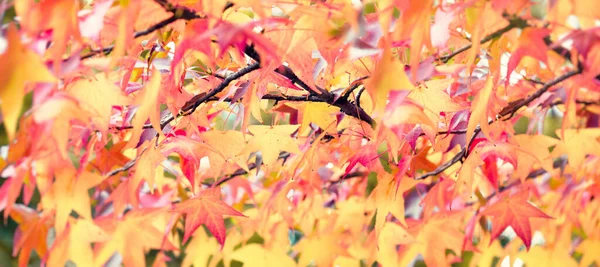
<point x="511" y="109"/>
<point x="190" y="106"/>
<point x="178" y="13"/>
<point x="514" y="22"/>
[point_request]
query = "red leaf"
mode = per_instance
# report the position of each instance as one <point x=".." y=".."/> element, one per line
<point x="514" y="211"/>
<point x="207" y="209"/>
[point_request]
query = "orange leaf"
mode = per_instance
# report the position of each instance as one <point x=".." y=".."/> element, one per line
<point x="100" y="95"/>
<point x="531" y="43"/>
<point x="137" y="233"/>
<point x="479" y="109"/>
<point x="31" y="234"/>
<point x="16" y="68"/>
<point x="148" y="101"/>
<point x="208" y="209"/>
<point x="514" y="211"/>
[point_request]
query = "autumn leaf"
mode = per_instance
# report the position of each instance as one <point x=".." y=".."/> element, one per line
<point x="531" y="43"/>
<point x="100" y="95"/>
<point x="148" y="108"/>
<point x="388" y="198"/>
<point x="207" y="208"/>
<point x="430" y="243"/>
<point x="32" y="232"/>
<point x="254" y="255"/>
<point x="228" y="146"/>
<point x="588" y="248"/>
<point x="133" y="235"/>
<point x="388" y="76"/>
<point x="577" y="144"/>
<point x="322" y="250"/>
<point x="270" y="140"/>
<point x="321" y="114"/>
<point x="70" y="193"/>
<point x="75" y="243"/>
<point x="480" y="108"/>
<point x="514" y="211"/>
<point x="17" y="61"/>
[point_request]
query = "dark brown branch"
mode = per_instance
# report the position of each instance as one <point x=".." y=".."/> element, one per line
<point x="514" y="106"/>
<point x="190" y="106"/>
<point x="178" y="13"/>
<point x="125" y="167"/>
<point x="533" y="174"/>
<point x="515" y="22"/>
<point x="511" y="109"/>
<point x="458" y="157"/>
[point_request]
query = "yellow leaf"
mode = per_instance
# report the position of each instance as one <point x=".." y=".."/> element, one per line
<point x="71" y="194"/>
<point x="321" y="250"/>
<point x="321" y="114"/>
<point x="589" y="248"/>
<point x="389" y="75"/>
<point x="229" y="146"/>
<point x="100" y="95"/>
<point x="270" y="140"/>
<point x="75" y="244"/>
<point x="577" y="144"/>
<point x="19" y="66"/>
<point x="148" y="102"/>
<point x="146" y="166"/>
<point x="387" y="198"/>
<point x="536" y="147"/>
<point x="254" y="255"/>
<point x="433" y="98"/>
<point x="479" y="109"/>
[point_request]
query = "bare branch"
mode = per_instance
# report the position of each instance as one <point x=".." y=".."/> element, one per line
<point x="511" y="109"/>
<point x="178" y="13"/>
<point x="515" y="22"/>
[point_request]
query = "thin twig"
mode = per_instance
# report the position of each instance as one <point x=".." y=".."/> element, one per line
<point x="514" y="23"/>
<point x="178" y="13"/>
<point x="511" y="109"/>
<point x="514" y="106"/>
<point x="190" y="106"/>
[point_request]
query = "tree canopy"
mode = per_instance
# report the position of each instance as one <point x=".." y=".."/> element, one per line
<point x="300" y="133"/>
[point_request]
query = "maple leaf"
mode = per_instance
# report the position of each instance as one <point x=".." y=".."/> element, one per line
<point x="531" y="43"/>
<point x="70" y="193"/>
<point x="321" y="114"/>
<point x="32" y="232"/>
<point x="133" y="235"/>
<point x="17" y="61"/>
<point x="479" y="109"/>
<point x="227" y="146"/>
<point x="204" y="247"/>
<point x="147" y="166"/>
<point x="322" y="250"/>
<point x="207" y="208"/>
<point x="429" y="242"/>
<point x="254" y="255"/>
<point x="270" y="140"/>
<point x="388" y="76"/>
<point x="577" y="144"/>
<point x="514" y="211"/>
<point x="533" y="149"/>
<point x="191" y="151"/>
<point x="58" y="16"/>
<point x="148" y="101"/>
<point x="74" y="244"/>
<point x="388" y="198"/>
<point x="390" y="237"/>
<point x="100" y="95"/>
<point x="433" y="98"/>
<point x="588" y="248"/>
